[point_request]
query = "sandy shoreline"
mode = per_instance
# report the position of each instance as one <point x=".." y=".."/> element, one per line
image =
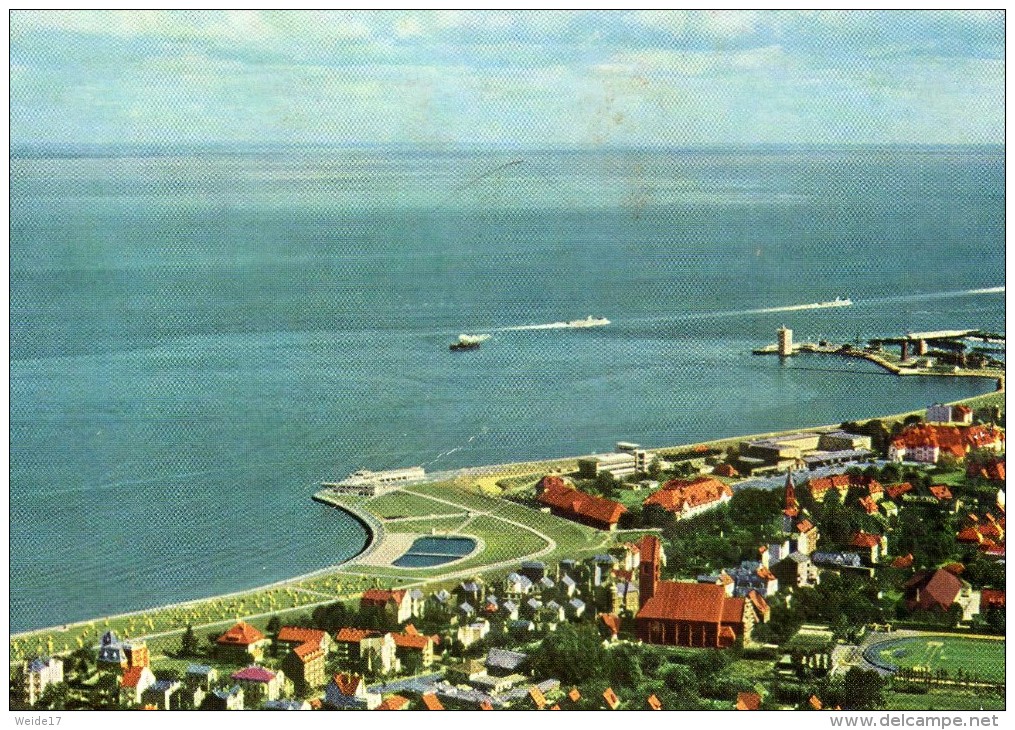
<point x="376" y="533"/>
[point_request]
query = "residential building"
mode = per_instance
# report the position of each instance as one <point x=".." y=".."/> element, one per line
<point x="503" y="662"/>
<point x="687" y="498"/>
<point x="396" y="604"/>
<point x="133" y="683"/>
<point x="349" y="692"/>
<point x="413" y="649"/>
<point x="394" y="702"/>
<point x="165" y="694"/>
<point x="241" y="644"/>
<point x="476" y="631"/>
<point x="366" y="650"/>
<point x="289" y="637"/>
<point x="928" y="442"/>
<point x="796" y="570"/>
<point x="200" y="675"/>
<point x="224" y="699"/>
<point x="937" y="591"/>
<point x="38" y="674"/>
<point x="260" y="684"/>
<point x="870" y="546"/>
<point x="304" y="665"/>
<point x="567" y="502"/>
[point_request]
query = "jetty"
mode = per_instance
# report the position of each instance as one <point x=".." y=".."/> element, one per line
<point x="941" y="353"/>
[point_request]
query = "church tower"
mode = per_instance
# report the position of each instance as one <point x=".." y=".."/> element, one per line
<point x="791" y="507"/>
<point x="649" y="569"/>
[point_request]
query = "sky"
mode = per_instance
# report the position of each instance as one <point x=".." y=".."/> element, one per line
<point x="458" y="79"/>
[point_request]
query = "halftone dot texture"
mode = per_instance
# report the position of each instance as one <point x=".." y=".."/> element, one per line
<point x="242" y="242"/>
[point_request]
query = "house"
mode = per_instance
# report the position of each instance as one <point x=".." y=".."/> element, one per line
<point x="609" y="626"/>
<point x="625" y="596"/>
<point x="748" y="701"/>
<point x="538" y="698"/>
<point x="762" y="611"/>
<point x="304" y="665"/>
<point x="552" y="612"/>
<point x="516" y="586"/>
<point x="602" y="568"/>
<point x="241" y="644"/>
<point x="567" y="502"/>
<point x="807" y="537"/>
<point x="471" y="591"/>
<point x="991" y="469"/>
<point x="534" y="570"/>
<point x="287" y="705"/>
<point x="576" y="607"/>
<point x="349" y="692"/>
<point x="396" y="604"/>
<point x="133" y="684"/>
<point x="991" y="600"/>
<point x="939" y="413"/>
<point x="653" y="702"/>
<point x="510" y="610"/>
<point x="568" y="585"/>
<point x="477" y="631"/>
<point x="165" y="694"/>
<point x="289" y="637"/>
<point x="726" y="470"/>
<point x="941" y="492"/>
<point x="465" y="671"/>
<point x="224" y="699"/>
<point x="819" y="487"/>
<point x="366" y="650"/>
<point x="532" y="606"/>
<point x="260" y="684"/>
<point x="441" y="603"/>
<point x="502" y="662"/>
<point x="612" y="701"/>
<point x="629" y="554"/>
<point x="870" y="546"/>
<point x="895" y="491"/>
<point x="431" y="702"/>
<point x="936" y="591"/>
<point x="796" y="570"/>
<point x="521" y="627"/>
<point x="928" y="442"/>
<point x="903" y="561"/>
<point x="38" y="674"/>
<point x="394" y="702"/>
<point x="417" y="603"/>
<point x="686" y="498"/>
<point x="200" y="675"/>
<point x="466" y="611"/>
<point x="868" y="505"/>
<point x="115" y="656"/>
<point x="413" y="649"/>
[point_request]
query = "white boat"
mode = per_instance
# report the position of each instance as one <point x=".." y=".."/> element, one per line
<point x="589" y="321"/>
<point x="837" y="302"/>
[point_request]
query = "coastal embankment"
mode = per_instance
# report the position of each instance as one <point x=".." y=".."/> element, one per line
<point x="534" y="534"/>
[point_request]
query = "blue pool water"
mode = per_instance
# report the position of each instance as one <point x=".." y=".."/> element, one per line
<point x="427" y="552"/>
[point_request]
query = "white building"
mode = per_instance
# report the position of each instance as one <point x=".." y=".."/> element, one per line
<point x="39" y="674"/>
<point x="366" y="483"/>
<point x="785" y="339"/>
<point x="474" y="632"/>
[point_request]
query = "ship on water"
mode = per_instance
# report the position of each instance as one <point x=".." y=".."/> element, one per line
<point x="837" y="302"/>
<point x="467" y="342"/>
<point x="589" y="321"/>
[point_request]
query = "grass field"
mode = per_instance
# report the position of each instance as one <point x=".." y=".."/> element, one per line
<point x="401" y="504"/>
<point x="943" y="699"/>
<point x="423" y="527"/>
<point x="983" y="658"/>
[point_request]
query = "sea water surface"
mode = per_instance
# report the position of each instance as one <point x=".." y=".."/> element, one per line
<point x="197" y="339"/>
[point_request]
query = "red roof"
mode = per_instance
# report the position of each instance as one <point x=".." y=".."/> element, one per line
<point x="295" y="634"/>
<point x="651" y="549"/>
<point x="942" y="492"/>
<point x="611" y="698"/>
<point x="611" y="621"/>
<point x="347" y="683"/>
<point x="733" y="610"/>
<point x="954" y="568"/>
<point x="579" y="504"/>
<point x="484" y="705"/>
<point x="411" y="641"/>
<point x="131" y="676"/>
<point x="815" y="702"/>
<point x="903" y="561"/>
<point x="687" y="602"/>
<point x="805" y="526"/>
<point x="308" y="652"/>
<point x="574" y="695"/>
<point x="349" y="635"/>
<point x="990" y="598"/>
<point x="932" y="589"/>
<point x="654" y="703"/>
<point x="748" y="701"/>
<point x="380" y="596"/>
<point x="894" y="491"/>
<point x="969" y="534"/>
<point x="538" y="698"/>
<point x="254" y="673"/>
<point x="865" y="540"/>
<point x="759" y="602"/>
<point x="431" y="702"/>
<point x="242" y="634"/>
<point x="395" y="702"/>
<point x="724" y="470"/>
<point x="955" y="440"/>
<point x="678" y="494"/>
<point x="869" y="505"/>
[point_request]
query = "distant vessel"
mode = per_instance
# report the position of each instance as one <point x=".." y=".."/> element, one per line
<point x="467" y="342"/>
<point x="837" y="302"/>
<point x="366" y="483"/>
<point x="589" y="321"/>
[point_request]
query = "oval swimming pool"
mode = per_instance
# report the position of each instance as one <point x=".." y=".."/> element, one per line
<point x="427" y="552"/>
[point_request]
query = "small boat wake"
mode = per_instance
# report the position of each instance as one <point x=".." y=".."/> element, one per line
<point x="589" y="321"/>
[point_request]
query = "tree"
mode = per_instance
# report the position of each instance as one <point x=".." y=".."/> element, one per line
<point x="572" y="653"/>
<point x="274" y="624"/>
<point x="863" y="690"/>
<point x="189" y="643"/>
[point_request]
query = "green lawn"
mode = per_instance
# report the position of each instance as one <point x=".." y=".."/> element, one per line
<point x="944" y="699"/>
<point x="982" y="658"/>
<point x="400" y="504"/>
<point x="423" y="527"/>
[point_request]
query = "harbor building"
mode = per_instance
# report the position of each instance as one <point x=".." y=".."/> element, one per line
<point x="785" y="342"/>
<point x="629" y="459"/>
<point x="366" y="483"/>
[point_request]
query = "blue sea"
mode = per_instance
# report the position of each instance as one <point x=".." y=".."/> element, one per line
<point x="199" y="338"/>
